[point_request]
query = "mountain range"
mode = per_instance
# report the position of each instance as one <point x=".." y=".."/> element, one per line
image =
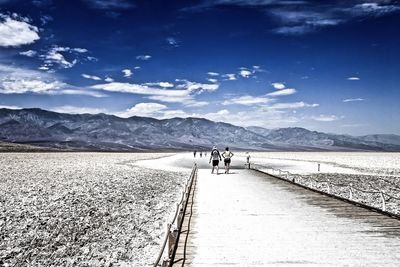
<point x="102" y="132"/>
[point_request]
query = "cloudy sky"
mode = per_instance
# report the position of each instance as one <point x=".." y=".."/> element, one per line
<point x="331" y="66"/>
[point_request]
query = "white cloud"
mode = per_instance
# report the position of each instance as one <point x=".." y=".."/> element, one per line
<point x="16" y="31"/>
<point x="92" y="77"/>
<point x="24" y="86"/>
<point x="355" y="125"/>
<point x="192" y="86"/>
<point x="168" y="114"/>
<point x="44" y="68"/>
<point x="143" y="57"/>
<point x="374" y="9"/>
<point x="293" y="105"/>
<point x="282" y="92"/>
<point x="213" y="73"/>
<point x="110" y="4"/>
<point x="325" y="118"/>
<point x="161" y="84"/>
<point x="211" y="80"/>
<point x="278" y="85"/>
<point x="78" y="92"/>
<point x="94" y="59"/>
<point x="183" y="93"/>
<point x="353" y="99"/>
<point x="172" y="41"/>
<point x="229" y="76"/>
<point x="15" y="80"/>
<point x="140" y="89"/>
<point x="109" y="79"/>
<point x="137" y="68"/>
<point x="247" y="100"/>
<point x="144" y="110"/>
<point x="55" y="56"/>
<point x="10" y="107"/>
<point x="63" y="57"/>
<point x="195" y="103"/>
<point x="245" y="73"/>
<point x="77" y="110"/>
<point x="80" y="50"/>
<point x="353" y="78"/>
<point x="29" y="53"/>
<point x="45" y="19"/>
<point x="185" y="99"/>
<point x="127" y="73"/>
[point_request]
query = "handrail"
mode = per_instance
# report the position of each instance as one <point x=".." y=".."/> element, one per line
<point x="174" y="228"/>
<point x="309" y="182"/>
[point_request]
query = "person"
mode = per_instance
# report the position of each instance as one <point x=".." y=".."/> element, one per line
<point x="205" y="154"/>
<point x="248" y="159"/>
<point x="227" y="155"/>
<point x="194" y="153"/>
<point x="201" y="154"/>
<point x="215" y="157"/>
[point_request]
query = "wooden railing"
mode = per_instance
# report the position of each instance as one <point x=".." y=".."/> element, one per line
<point x="374" y="198"/>
<point x="167" y="252"/>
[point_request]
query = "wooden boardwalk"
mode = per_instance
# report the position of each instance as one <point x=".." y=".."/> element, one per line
<point x="250" y="219"/>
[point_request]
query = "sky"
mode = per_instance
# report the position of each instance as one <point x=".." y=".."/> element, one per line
<point x="331" y="66"/>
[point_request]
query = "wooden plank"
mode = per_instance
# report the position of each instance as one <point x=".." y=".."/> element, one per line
<point x="245" y="219"/>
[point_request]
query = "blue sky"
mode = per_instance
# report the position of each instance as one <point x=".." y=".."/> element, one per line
<point x="330" y="66"/>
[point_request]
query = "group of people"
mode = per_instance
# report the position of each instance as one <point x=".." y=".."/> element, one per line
<point x="200" y="153"/>
<point x="216" y="157"/>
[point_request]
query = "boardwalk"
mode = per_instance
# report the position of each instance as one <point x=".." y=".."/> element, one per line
<point x="250" y="219"/>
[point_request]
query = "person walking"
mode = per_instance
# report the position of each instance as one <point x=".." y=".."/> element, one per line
<point x="215" y="157"/>
<point x="248" y="159"/>
<point x="194" y="153"/>
<point x="227" y="155"/>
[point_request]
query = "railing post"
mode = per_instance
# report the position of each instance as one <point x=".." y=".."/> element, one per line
<point x="351" y="191"/>
<point x="165" y="262"/>
<point x="383" y="200"/>
<point x="180" y="217"/>
<point x="172" y="235"/>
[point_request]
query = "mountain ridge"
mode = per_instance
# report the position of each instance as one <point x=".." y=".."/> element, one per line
<point x="103" y="132"/>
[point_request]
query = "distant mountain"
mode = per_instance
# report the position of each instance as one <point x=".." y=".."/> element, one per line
<point x="110" y="133"/>
<point x="391" y="139"/>
<point x="303" y="139"/>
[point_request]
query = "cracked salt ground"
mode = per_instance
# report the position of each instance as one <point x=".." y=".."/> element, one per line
<point x="83" y="209"/>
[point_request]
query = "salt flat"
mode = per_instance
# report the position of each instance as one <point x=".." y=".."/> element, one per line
<point x="83" y="209"/>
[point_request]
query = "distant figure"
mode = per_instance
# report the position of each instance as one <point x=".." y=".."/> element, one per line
<point x="194" y="153"/>
<point x="201" y="154"/>
<point x="227" y="155"/>
<point x="215" y="157"/>
<point x="205" y="154"/>
<point x="248" y="159"/>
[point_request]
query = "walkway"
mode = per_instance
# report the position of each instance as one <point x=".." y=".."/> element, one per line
<point x="250" y="219"/>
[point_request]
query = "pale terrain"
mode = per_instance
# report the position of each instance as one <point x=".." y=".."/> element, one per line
<point x="83" y="209"/>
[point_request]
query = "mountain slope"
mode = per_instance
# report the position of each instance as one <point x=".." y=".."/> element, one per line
<point x="108" y="132"/>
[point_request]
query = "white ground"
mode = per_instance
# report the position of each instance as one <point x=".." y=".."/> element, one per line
<point x="248" y="219"/>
